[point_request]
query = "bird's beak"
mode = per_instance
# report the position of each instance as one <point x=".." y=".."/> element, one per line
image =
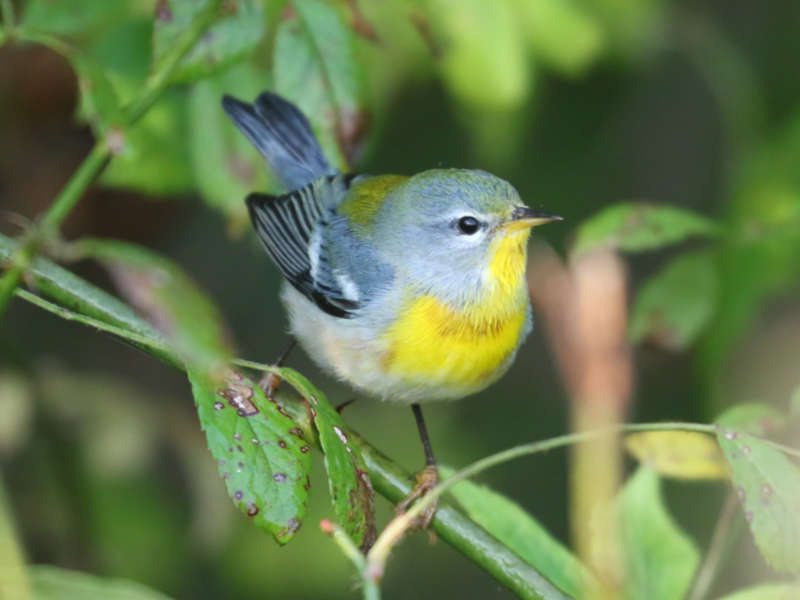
<point x="523" y="217"/>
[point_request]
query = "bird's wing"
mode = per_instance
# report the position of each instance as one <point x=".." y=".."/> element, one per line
<point x="292" y="228"/>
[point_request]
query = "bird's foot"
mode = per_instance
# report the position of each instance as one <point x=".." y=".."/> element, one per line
<point x="427" y="479"/>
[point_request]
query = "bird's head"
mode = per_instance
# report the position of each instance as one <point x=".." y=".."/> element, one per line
<point x="458" y="229"/>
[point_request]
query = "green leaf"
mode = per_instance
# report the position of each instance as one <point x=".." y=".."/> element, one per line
<point x="230" y="39"/>
<point x="774" y="591"/>
<point x="99" y="105"/>
<point x="660" y="558"/>
<point x="54" y="583"/>
<point x="152" y="156"/>
<point x="768" y="486"/>
<point x="484" y="63"/>
<point x="315" y="66"/>
<point x="639" y="227"/>
<point x="260" y="452"/>
<point x="168" y="297"/>
<point x="753" y="418"/>
<point x="674" y="306"/>
<point x="226" y="166"/>
<point x="71" y="291"/>
<point x="348" y="481"/>
<point x="562" y="33"/>
<point x="71" y="18"/>
<point x="513" y="526"/>
<point x="681" y="454"/>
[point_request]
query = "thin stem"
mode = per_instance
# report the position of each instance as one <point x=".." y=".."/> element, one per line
<point x="100" y="153"/>
<point x="717" y="549"/>
<point x="371" y="589"/>
<point x="395" y="530"/>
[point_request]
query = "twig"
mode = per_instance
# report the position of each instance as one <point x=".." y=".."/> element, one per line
<point x="100" y="153"/>
<point x="371" y="589"/>
<point x="717" y="547"/>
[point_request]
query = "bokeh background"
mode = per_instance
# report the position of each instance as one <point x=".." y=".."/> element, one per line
<point x="580" y="104"/>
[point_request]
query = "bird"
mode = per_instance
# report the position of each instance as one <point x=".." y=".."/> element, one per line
<point x="410" y="289"/>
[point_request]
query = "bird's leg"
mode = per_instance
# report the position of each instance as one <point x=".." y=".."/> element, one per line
<point x="427" y="478"/>
<point x="270" y="382"/>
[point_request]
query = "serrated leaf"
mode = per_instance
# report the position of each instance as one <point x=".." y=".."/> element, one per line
<point x="768" y="486"/>
<point x="55" y="583"/>
<point x="660" y="558"/>
<point x="53" y="281"/>
<point x="513" y="526"/>
<point x="260" y="452"/>
<point x="348" y="481"/>
<point x="315" y="66"/>
<point x="169" y="299"/>
<point x="775" y="591"/>
<point x="680" y="454"/>
<point x="673" y="307"/>
<point x="226" y="167"/>
<point x="638" y="227"/>
<point x="152" y="156"/>
<point x="233" y="37"/>
<point x="753" y="418"/>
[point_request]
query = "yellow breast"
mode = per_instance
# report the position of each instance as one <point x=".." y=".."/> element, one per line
<point x="466" y="348"/>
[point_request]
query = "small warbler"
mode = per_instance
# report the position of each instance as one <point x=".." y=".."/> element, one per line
<point x="410" y="289"/>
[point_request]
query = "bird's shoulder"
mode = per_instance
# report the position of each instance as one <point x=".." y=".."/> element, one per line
<point x="314" y="245"/>
<point x="365" y="196"/>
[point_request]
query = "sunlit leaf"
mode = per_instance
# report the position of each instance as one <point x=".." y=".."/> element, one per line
<point x="774" y="591"/>
<point x="563" y="34"/>
<point x="55" y="583"/>
<point x="226" y="166"/>
<point x="660" y="558"/>
<point x="753" y="418"/>
<point x="76" y="294"/>
<point x="680" y="454"/>
<point x="261" y="454"/>
<point x="153" y="154"/>
<point x="315" y="67"/>
<point x="640" y="227"/>
<point x="513" y="526"/>
<point x="169" y="299"/>
<point x="230" y="39"/>
<point x="768" y="486"/>
<point x="348" y="481"/>
<point x="673" y="307"/>
<point x="484" y="61"/>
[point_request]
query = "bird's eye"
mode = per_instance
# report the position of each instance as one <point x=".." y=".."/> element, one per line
<point x="468" y="225"/>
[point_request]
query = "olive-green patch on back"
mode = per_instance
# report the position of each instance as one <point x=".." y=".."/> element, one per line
<point x="364" y="199"/>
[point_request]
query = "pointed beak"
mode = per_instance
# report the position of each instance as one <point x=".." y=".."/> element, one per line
<point x="523" y="217"/>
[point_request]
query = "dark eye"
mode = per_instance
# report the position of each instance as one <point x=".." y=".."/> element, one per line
<point x="468" y="225"/>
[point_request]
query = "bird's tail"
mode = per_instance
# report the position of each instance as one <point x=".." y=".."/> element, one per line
<point x="283" y="136"/>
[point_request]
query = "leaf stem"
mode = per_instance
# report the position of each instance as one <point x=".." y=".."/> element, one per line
<point x="100" y="153"/>
<point x="371" y="589"/>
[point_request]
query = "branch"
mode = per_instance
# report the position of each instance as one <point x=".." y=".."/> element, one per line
<point x="98" y="157"/>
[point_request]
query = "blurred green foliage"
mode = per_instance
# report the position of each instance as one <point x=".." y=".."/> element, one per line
<point x="583" y="104"/>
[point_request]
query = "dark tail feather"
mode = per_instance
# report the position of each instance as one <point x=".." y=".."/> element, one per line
<point x="283" y="136"/>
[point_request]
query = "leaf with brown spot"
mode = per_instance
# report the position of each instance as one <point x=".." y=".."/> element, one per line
<point x="266" y="480"/>
<point x="348" y="481"/>
<point x="768" y="486"/>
